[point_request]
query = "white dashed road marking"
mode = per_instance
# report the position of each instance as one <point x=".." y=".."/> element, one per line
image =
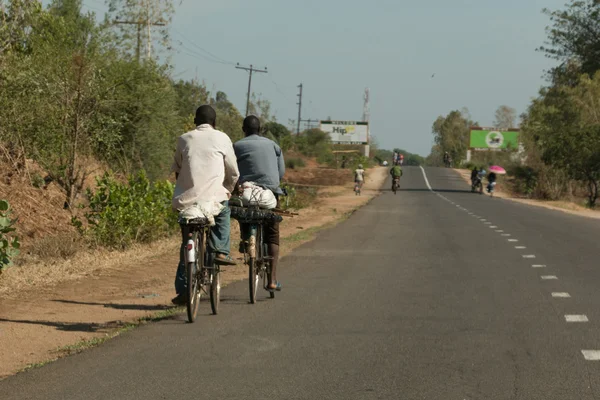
<point x="493" y="227"/>
<point x="499" y="231"/>
<point x="561" y="295"/>
<point x="513" y="240"/>
<point x="528" y="256"/>
<point x="520" y="247"/>
<point x="591" y="355"/>
<point x="576" y="318"/>
<point x="549" y="277"/>
<point x="538" y="266"/>
<point x="506" y="234"/>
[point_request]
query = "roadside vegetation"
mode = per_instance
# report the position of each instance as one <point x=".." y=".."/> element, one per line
<point x="560" y="131"/>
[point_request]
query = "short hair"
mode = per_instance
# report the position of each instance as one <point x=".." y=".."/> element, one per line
<point x="205" y="115"/>
<point x="251" y="125"/>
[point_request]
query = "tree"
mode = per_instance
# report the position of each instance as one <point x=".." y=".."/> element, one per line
<point x="505" y="118"/>
<point x="452" y="134"/>
<point x="563" y="124"/>
<point x="574" y="40"/>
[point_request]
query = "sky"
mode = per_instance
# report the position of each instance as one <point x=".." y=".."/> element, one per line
<point x="482" y="52"/>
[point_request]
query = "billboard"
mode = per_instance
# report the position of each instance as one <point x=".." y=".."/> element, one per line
<point x="494" y="139"/>
<point x="346" y="132"/>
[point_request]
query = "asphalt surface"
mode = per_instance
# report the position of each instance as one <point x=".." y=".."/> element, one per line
<point x="410" y="298"/>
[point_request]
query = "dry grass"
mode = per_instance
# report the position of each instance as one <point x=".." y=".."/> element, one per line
<point x="52" y="248"/>
<point x="48" y="272"/>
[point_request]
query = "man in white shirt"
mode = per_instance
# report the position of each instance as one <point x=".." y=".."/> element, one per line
<point x="206" y="169"/>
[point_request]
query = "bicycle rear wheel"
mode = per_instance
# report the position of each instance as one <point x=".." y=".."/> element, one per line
<point x="192" y="274"/>
<point x="266" y="275"/>
<point x="254" y="264"/>
<point x="215" y="289"/>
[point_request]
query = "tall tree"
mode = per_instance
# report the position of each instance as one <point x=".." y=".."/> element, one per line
<point x="574" y="40"/>
<point x="506" y="117"/>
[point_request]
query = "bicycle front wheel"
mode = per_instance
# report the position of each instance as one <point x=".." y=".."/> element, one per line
<point x="215" y="289"/>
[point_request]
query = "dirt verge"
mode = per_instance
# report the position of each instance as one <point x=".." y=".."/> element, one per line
<point x="50" y="310"/>
<point x="565" y="206"/>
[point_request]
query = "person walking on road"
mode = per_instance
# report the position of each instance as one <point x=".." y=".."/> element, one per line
<point x="359" y="179"/>
<point x="206" y="170"/>
<point x="260" y="160"/>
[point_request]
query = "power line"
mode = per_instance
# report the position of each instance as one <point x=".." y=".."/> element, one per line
<point x="215" y="58"/>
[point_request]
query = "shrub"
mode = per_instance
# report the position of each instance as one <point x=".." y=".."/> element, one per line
<point x="124" y="213"/>
<point x="9" y="243"/>
<point x="525" y="180"/>
<point x="293" y="163"/>
<point x="298" y="197"/>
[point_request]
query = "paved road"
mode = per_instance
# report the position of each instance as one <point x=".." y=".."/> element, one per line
<point x="411" y="298"/>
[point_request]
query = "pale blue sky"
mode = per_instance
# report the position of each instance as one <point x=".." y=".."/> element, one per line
<point x="482" y="52"/>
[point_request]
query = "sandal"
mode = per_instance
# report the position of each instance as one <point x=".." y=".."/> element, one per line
<point x="277" y="288"/>
<point x="223" y="259"/>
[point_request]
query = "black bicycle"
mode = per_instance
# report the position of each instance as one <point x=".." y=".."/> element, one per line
<point x="256" y="252"/>
<point x="395" y="184"/>
<point x="202" y="274"/>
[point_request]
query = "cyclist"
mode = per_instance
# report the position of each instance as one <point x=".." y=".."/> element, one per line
<point x="260" y="160"/>
<point x="206" y="170"/>
<point x="396" y="173"/>
<point x="401" y="159"/>
<point x="359" y="178"/>
<point x="474" y="175"/>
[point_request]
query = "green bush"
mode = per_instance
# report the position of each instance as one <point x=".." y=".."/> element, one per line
<point x="121" y="214"/>
<point x="525" y="180"/>
<point x="298" y="197"/>
<point x="293" y="163"/>
<point x="9" y="243"/>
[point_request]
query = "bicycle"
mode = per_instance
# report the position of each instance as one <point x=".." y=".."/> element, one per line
<point x="357" y="188"/>
<point x="395" y="184"/>
<point x="202" y="274"/>
<point x="256" y="253"/>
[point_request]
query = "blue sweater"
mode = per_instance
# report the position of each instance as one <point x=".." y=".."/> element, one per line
<point x="260" y="160"/>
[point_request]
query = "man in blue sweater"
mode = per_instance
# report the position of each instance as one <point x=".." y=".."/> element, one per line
<point x="260" y="160"/>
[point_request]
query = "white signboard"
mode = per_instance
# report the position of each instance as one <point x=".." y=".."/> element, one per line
<point x="346" y="132"/>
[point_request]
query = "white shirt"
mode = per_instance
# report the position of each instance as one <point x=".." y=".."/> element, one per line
<point x="359" y="175"/>
<point x="207" y="167"/>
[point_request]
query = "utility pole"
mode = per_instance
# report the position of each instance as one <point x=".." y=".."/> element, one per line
<point x="251" y="69"/>
<point x="299" y="109"/>
<point x="139" y="24"/>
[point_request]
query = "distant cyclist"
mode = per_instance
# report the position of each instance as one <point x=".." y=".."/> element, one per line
<point x="401" y="159"/>
<point x="396" y="173"/>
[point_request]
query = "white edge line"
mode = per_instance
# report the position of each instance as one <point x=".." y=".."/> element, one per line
<point x="425" y="177"/>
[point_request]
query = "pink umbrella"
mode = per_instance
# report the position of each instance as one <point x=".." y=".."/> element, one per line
<point x="497" y="169"/>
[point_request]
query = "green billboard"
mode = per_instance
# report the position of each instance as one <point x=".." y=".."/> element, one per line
<point x="491" y="139"/>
